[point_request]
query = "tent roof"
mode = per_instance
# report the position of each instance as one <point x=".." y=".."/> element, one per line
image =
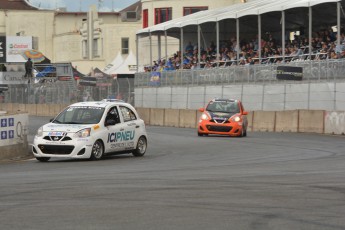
<point x="256" y="7"/>
<point x="124" y="68"/>
<point x="118" y="61"/>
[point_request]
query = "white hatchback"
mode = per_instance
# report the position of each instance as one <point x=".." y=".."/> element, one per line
<point x="92" y="130"/>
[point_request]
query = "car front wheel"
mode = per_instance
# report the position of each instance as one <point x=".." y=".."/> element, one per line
<point x="141" y="147"/>
<point x="97" y="150"/>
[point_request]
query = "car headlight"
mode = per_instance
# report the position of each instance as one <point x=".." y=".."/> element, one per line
<point x="236" y="118"/>
<point x="83" y="133"/>
<point x="40" y="132"/>
<point x="204" y="117"/>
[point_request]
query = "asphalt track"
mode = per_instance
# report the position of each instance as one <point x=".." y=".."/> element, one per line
<point x="283" y="181"/>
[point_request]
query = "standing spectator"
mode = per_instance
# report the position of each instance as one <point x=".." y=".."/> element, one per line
<point x="28" y="68"/>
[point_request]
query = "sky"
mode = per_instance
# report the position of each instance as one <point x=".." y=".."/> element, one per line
<point x="82" y="5"/>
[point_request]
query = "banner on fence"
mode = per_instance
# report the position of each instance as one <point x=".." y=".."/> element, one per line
<point x="155" y="79"/>
<point x="88" y="81"/>
<point x="12" y="78"/>
<point x="289" y="73"/>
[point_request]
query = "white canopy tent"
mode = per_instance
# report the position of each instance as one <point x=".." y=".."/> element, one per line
<point x="128" y="66"/>
<point x="118" y="61"/>
<point x="237" y="12"/>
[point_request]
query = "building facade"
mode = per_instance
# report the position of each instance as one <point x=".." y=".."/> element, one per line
<point x="93" y="39"/>
<point x="87" y="39"/>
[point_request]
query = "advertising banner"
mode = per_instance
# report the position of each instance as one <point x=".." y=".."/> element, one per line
<point x="289" y="73"/>
<point x="88" y="81"/>
<point x="12" y="78"/>
<point x="13" y="129"/>
<point x="2" y="49"/>
<point x="155" y="79"/>
<point x="15" y="46"/>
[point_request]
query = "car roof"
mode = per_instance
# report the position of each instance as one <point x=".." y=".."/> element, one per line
<point x="103" y="103"/>
<point x="224" y="99"/>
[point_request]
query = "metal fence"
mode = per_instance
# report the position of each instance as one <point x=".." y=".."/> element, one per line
<point x="323" y="70"/>
<point x="67" y="92"/>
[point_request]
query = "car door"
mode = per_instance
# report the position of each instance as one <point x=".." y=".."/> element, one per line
<point x="114" y="128"/>
<point x="129" y="135"/>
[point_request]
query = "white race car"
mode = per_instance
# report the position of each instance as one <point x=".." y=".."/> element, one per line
<point x="91" y="130"/>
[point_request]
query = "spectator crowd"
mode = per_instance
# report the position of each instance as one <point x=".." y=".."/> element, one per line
<point x="324" y="46"/>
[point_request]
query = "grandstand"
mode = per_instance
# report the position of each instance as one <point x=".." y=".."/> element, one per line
<point x="220" y="50"/>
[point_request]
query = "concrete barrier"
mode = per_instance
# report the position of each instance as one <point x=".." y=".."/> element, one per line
<point x="16" y="107"/>
<point x="335" y="123"/>
<point x="250" y="121"/>
<point x="188" y="118"/>
<point x="54" y="109"/>
<point x="311" y="121"/>
<point x="172" y="118"/>
<point x="14" y="131"/>
<point x="43" y="110"/>
<point x="7" y="107"/>
<point x="144" y="113"/>
<point x="286" y="121"/>
<point x="157" y="117"/>
<point x="32" y="109"/>
<point x="264" y="121"/>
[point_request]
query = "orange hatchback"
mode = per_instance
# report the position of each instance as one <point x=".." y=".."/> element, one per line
<point x="223" y="117"/>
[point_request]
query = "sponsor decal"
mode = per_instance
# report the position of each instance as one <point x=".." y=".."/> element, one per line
<point x="121" y="136"/>
<point x="83" y="139"/>
<point x="10" y="121"/>
<point x="125" y="145"/>
<point x="59" y="134"/>
<point x="4" y="122"/>
<point x="11" y="134"/>
<point x="3" y="135"/>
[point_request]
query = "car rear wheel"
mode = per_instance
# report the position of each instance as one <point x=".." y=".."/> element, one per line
<point x="43" y="159"/>
<point x="97" y="150"/>
<point x="141" y="147"/>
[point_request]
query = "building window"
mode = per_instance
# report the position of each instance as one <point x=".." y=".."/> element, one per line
<point x="85" y="49"/>
<point x="124" y="45"/>
<point x="162" y="15"/>
<point x="95" y="48"/>
<point x="145" y="18"/>
<point x="192" y="10"/>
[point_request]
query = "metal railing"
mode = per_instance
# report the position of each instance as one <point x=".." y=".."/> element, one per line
<point x="323" y="70"/>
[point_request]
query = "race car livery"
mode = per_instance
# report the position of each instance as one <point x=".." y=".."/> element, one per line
<point x="223" y="117"/>
<point x="92" y="130"/>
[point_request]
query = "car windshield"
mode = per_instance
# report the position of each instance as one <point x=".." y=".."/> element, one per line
<point x="223" y="106"/>
<point x="80" y="115"/>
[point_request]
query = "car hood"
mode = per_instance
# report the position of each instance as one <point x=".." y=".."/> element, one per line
<point x="69" y="128"/>
<point x="221" y="115"/>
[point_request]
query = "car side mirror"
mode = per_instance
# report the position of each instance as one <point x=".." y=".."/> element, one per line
<point x="51" y="119"/>
<point x="110" y="122"/>
<point x="202" y="110"/>
<point x="245" y="113"/>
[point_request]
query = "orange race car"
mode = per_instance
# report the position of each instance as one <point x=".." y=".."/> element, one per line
<point x="223" y="117"/>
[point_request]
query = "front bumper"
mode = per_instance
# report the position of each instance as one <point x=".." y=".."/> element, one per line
<point x="230" y="129"/>
<point x="69" y="147"/>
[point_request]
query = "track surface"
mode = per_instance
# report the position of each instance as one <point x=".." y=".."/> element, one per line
<point x="264" y="181"/>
